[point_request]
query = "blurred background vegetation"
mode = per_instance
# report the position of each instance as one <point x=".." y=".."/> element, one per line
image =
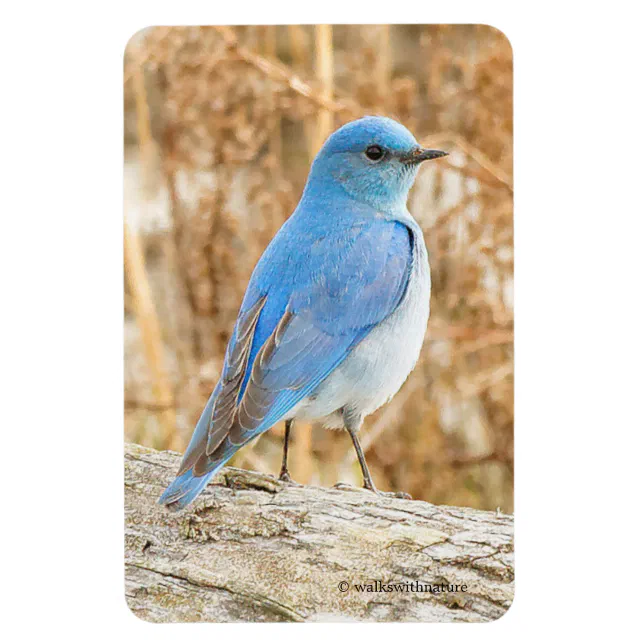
<point x="221" y="124"/>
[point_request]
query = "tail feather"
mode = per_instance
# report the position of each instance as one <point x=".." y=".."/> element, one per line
<point x="185" y="489"/>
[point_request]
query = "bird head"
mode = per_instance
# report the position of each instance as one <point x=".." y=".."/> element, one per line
<point x="374" y="159"/>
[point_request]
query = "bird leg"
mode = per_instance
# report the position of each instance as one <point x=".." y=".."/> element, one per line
<point x="366" y="475"/>
<point x="284" y="475"/>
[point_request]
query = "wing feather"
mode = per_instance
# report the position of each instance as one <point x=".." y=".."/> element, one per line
<point x="288" y="341"/>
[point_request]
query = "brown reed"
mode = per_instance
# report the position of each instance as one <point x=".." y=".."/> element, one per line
<point x="324" y="74"/>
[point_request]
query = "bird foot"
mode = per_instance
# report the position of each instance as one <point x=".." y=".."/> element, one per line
<point x="391" y="495"/>
<point x="394" y="495"/>
<point x="285" y="477"/>
<point x="347" y="487"/>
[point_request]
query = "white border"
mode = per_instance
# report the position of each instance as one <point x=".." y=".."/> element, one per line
<point x="579" y="325"/>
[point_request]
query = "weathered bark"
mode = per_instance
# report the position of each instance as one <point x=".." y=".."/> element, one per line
<point x="254" y="549"/>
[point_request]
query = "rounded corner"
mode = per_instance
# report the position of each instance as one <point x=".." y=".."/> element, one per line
<point x="501" y="33"/>
<point x="507" y="610"/>
<point x="131" y="42"/>
<point x="133" y="612"/>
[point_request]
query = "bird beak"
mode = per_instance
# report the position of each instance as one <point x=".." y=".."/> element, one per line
<point x="423" y="154"/>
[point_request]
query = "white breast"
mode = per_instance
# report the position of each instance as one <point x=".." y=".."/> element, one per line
<point x="378" y="366"/>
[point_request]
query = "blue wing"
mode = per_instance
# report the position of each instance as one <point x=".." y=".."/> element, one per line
<point x="315" y="294"/>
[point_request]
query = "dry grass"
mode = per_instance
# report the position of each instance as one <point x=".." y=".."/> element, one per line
<point x="221" y="124"/>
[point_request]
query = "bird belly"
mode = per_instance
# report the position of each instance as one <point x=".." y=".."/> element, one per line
<point x="379" y="365"/>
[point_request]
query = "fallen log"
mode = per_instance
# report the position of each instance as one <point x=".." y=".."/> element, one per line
<point x="254" y="549"/>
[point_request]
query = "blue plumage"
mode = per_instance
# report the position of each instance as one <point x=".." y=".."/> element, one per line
<point x="348" y="261"/>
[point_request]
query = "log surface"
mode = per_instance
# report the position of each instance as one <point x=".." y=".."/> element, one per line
<point x="254" y="549"/>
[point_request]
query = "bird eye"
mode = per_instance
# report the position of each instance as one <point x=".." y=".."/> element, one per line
<point x="374" y="153"/>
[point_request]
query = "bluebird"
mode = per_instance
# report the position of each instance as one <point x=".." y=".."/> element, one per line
<point x="334" y="315"/>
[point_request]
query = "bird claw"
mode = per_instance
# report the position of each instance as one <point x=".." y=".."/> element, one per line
<point x="285" y="477"/>
<point x="394" y="495"/>
<point x="347" y="487"/>
<point x="390" y="495"/>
